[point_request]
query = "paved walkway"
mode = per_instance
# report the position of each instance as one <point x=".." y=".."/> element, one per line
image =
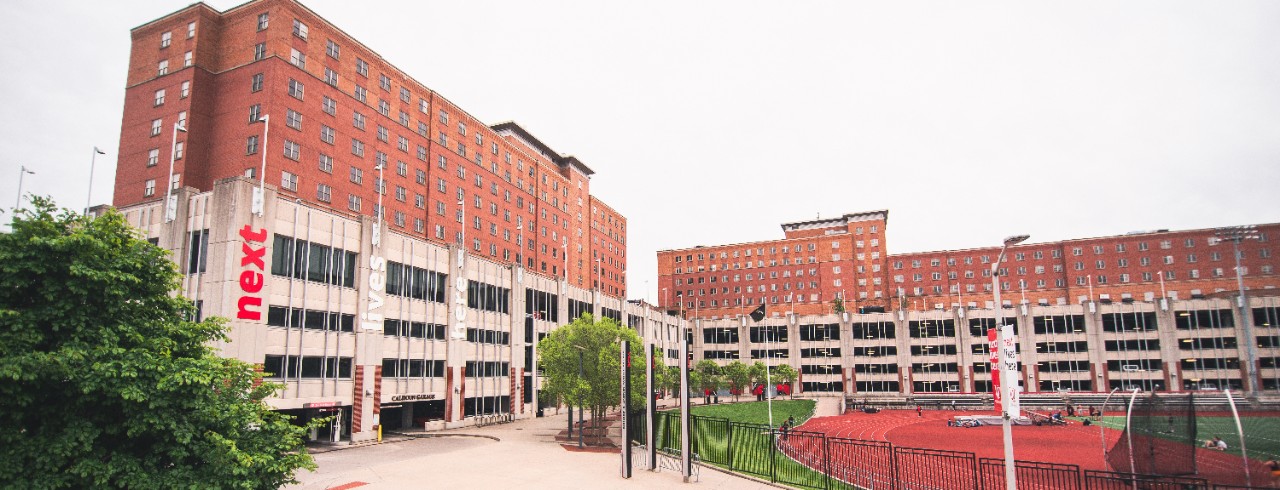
<point x="521" y="454"/>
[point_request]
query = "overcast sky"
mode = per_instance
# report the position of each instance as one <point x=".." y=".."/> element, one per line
<point x="712" y="122"/>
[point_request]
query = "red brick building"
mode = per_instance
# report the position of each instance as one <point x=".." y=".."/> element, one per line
<point x="337" y="112"/>
<point x="819" y="261"/>
<point x="815" y="263"/>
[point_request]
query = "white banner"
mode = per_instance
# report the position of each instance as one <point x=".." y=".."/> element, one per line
<point x="1010" y="377"/>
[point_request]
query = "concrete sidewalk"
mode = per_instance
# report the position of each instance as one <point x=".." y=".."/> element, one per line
<point x="521" y="454"/>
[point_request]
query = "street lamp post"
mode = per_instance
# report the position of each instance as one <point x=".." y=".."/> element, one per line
<point x="170" y="202"/>
<point x="92" y="160"/>
<point x="581" y="421"/>
<point x="21" y="173"/>
<point x="259" y="194"/>
<point x="1009" y="384"/>
<point x="1235" y="235"/>
<point x="381" y="189"/>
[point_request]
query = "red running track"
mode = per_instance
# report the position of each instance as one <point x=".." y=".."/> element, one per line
<point x="1073" y="444"/>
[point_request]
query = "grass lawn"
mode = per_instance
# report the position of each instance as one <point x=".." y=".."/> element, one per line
<point x="752" y="451"/>
<point x="1262" y="434"/>
<point x="758" y="412"/>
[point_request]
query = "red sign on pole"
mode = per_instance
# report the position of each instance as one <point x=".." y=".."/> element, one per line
<point x="993" y="347"/>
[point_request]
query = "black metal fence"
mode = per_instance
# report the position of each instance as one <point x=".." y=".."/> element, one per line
<point x="813" y="460"/>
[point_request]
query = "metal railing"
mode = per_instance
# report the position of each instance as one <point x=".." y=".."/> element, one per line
<point x="805" y="459"/>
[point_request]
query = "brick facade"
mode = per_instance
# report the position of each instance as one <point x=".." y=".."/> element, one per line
<point x="337" y="110"/>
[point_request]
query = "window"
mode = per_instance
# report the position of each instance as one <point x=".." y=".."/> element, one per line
<point x="357" y="147"/>
<point x="382" y="134"/>
<point x="357" y="120"/>
<point x="331" y="48"/>
<point x="330" y="77"/>
<point x="159" y="98"/>
<point x="423" y="105"/>
<point x="251" y="146"/>
<point x="290" y="150"/>
<point x="326" y="134"/>
<point x="149" y="188"/>
<point x="298" y="58"/>
<point x="326" y="163"/>
<point x="357" y="175"/>
<point x="289" y="181"/>
<point x="259" y="51"/>
<point x="299" y="29"/>
<point x="257" y="83"/>
<point x="293" y="119"/>
<point x="262" y="21"/>
<point x="324" y="193"/>
<point x="153" y="157"/>
<point x="329" y="106"/>
<point x="362" y="68"/>
<point x="255" y="113"/>
<point x="163" y="69"/>
<point x="165" y="39"/>
<point x="191" y="30"/>
<point x="155" y="127"/>
<point x="384" y="82"/>
<point x="186" y="59"/>
<point x="185" y="90"/>
<point x="296" y="89"/>
<point x="353" y="202"/>
<point x="177" y="149"/>
<point x="384" y="107"/>
<point x="360" y="94"/>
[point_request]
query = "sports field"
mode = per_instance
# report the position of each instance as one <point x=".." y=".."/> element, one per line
<point x="858" y="448"/>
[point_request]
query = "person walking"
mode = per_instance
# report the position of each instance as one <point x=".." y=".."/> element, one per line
<point x="1274" y="466"/>
<point x="919" y="411"/>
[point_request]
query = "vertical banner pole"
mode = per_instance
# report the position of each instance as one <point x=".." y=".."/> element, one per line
<point x="650" y="408"/>
<point x="626" y="408"/>
<point x="1244" y="453"/>
<point x="684" y="407"/>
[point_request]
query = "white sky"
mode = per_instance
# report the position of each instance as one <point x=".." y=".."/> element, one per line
<point x="713" y="122"/>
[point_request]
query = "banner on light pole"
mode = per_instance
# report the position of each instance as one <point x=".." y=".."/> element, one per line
<point x="993" y="347"/>
<point x="1009" y="368"/>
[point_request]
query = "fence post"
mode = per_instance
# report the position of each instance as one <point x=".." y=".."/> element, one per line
<point x="773" y="456"/>
<point x="826" y="463"/>
<point x="730" y="447"/>
<point x="893" y="461"/>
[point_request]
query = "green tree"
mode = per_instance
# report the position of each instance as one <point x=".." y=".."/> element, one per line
<point x="105" y="381"/>
<point x="673" y="380"/>
<point x="785" y="374"/>
<point x="709" y="377"/>
<point x="837" y="306"/>
<point x="757" y="372"/>
<point x="598" y="342"/>
<point x="739" y="377"/>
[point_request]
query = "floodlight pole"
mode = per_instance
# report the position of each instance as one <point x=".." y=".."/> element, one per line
<point x="1008" y="386"/>
<point x="1235" y="235"/>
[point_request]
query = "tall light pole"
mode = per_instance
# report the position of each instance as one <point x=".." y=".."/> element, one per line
<point x="21" y="172"/>
<point x="581" y="421"/>
<point x="92" y="160"/>
<point x="564" y="249"/>
<point x="259" y="194"/>
<point x="520" y="244"/>
<point x="170" y="202"/>
<point x="380" y="188"/>
<point x="1010" y="384"/>
<point x="462" y="237"/>
<point x="1235" y="235"/>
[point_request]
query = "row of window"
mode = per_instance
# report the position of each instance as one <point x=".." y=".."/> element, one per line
<point x="314" y="262"/>
<point x="284" y="316"/>
<point x="306" y="367"/>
